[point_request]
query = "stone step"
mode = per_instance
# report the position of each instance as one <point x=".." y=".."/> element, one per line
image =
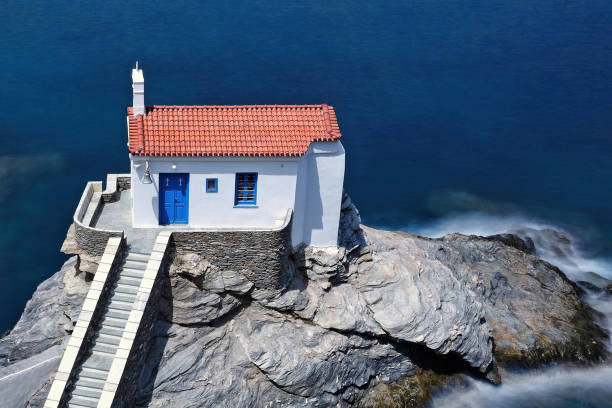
<point x="132" y="273"/>
<point x="78" y="401"/>
<point x="108" y="340"/>
<point x="105" y="348"/>
<point x="126" y="280"/>
<point x="83" y="391"/>
<point x="136" y="256"/>
<point x="90" y="382"/>
<point x="113" y="331"/>
<point x="135" y="265"/>
<point x="113" y="322"/>
<point x="93" y="374"/>
<point x="99" y="361"/>
<point x="75" y="405"/>
<point x="122" y="300"/>
<point x="117" y="314"/>
<point x="119" y="307"/>
<point x="122" y="288"/>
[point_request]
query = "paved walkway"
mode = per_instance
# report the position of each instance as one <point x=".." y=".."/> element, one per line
<point x="117" y="216"/>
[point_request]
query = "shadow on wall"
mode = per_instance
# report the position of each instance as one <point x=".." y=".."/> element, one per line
<point x="314" y="201"/>
<point x="155" y="199"/>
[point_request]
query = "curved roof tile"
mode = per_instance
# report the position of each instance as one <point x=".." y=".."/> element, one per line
<point x="247" y="130"/>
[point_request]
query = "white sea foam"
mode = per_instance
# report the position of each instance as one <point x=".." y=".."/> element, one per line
<point x="549" y="246"/>
<point x="555" y="387"/>
<point x="477" y="224"/>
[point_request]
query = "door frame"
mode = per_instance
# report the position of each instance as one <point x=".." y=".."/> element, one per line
<point x="161" y="200"/>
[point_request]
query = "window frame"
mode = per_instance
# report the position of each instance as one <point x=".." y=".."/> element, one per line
<point x="216" y="189"/>
<point x="245" y="203"/>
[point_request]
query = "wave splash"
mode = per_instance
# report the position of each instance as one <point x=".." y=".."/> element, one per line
<point x="552" y="243"/>
<point x="561" y="386"/>
<point x="555" y="387"/>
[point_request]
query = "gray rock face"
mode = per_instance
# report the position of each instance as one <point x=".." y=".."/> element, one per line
<point x="382" y="307"/>
<point x="351" y="317"/>
<point x="49" y="315"/>
<point x="415" y="298"/>
<point x="198" y="292"/>
<point x="533" y="308"/>
<point x="31" y="352"/>
<point x="262" y="357"/>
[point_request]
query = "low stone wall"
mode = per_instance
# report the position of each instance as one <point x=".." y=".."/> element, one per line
<point x="134" y="346"/>
<point x="124" y="182"/>
<point x="115" y="184"/>
<point x="257" y="254"/>
<point x="89" y="317"/>
<point x="92" y="240"/>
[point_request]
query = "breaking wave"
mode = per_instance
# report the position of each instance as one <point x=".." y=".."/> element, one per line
<point x="553" y="243"/>
<point x="556" y="387"/>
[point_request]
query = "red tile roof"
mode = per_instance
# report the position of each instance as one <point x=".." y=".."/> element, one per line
<point x="249" y="130"/>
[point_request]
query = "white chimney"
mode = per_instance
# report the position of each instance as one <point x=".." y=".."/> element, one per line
<point x="138" y="91"/>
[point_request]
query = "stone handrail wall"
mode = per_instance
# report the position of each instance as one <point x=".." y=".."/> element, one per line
<point x="258" y="254"/>
<point x="134" y="346"/>
<point x="89" y="239"/>
<point x="115" y="183"/>
<point x="90" y="315"/>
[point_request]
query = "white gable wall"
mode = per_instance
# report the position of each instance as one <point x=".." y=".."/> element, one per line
<point x="319" y="195"/>
<point x="310" y="185"/>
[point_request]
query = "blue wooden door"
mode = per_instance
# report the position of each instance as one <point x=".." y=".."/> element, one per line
<point x="174" y="198"/>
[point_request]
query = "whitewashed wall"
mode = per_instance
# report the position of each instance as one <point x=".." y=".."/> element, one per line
<point x="311" y="186"/>
<point x="319" y="195"/>
<point x="275" y="191"/>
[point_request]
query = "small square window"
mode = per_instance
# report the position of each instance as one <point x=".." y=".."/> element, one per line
<point x="211" y="185"/>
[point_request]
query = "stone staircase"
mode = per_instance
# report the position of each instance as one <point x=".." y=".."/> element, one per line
<point x="94" y="370"/>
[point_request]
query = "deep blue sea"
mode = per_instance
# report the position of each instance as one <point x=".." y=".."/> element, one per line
<point x="447" y="108"/>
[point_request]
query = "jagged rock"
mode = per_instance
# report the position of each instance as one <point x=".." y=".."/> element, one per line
<point x="235" y="282"/>
<point x="187" y="299"/>
<point x="346" y="309"/>
<point x="191" y="266"/>
<point x="350" y="234"/>
<point x="383" y="309"/>
<point x="49" y="316"/>
<point x="295" y="298"/>
<point x="534" y="310"/>
<point x="264" y="358"/>
<point x="589" y="286"/>
<point x="320" y="264"/>
<point x="415" y="298"/>
<point x="522" y="244"/>
<point x="34" y="345"/>
<point x="86" y="263"/>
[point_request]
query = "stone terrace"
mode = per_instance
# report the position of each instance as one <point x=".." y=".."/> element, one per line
<point x="117" y="216"/>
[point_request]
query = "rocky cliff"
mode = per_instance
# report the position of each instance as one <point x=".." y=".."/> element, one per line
<point x="387" y="316"/>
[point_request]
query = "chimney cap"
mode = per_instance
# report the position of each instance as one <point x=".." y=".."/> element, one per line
<point x="137" y="76"/>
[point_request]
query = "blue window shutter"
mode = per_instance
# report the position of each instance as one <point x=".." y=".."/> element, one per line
<point x="246" y="189"/>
